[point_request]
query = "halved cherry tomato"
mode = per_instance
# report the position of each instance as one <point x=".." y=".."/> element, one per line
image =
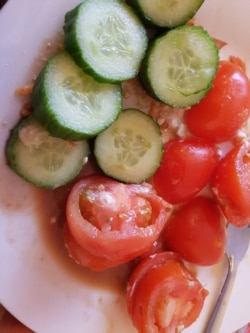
<point x="225" y="108"/>
<point x="112" y="222"/>
<point x="231" y="184"/>
<point x="163" y="295"/>
<point x="186" y="167"/>
<point x="197" y="231"/>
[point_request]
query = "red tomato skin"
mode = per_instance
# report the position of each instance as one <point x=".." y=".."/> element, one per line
<point x="83" y="257"/>
<point x="187" y="166"/>
<point x="197" y="231"/>
<point x="116" y="242"/>
<point x="163" y="294"/>
<point x="225" y="108"/>
<point x="231" y="185"/>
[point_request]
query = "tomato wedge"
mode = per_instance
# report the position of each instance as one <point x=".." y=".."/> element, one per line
<point x="197" y="231"/>
<point x="111" y="222"/>
<point x="231" y="184"/>
<point x="225" y="108"/>
<point x="163" y="295"/>
<point x="177" y="179"/>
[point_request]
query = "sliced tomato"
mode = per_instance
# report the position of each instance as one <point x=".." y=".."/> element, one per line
<point x="231" y="184"/>
<point x="197" y="231"/>
<point x="187" y="166"/>
<point x="82" y="256"/>
<point x="225" y="108"/>
<point x="163" y="295"/>
<point x="111" y="221"/>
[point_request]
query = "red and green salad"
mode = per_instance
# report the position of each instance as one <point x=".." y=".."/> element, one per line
<point x="140" y="130"/>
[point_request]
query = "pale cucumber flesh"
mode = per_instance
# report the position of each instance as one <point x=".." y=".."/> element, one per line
<point x="130" y="150"/>
<point x="70" y="103"/>
<point x="106" y="39"/>
<point x="181" y="65"/>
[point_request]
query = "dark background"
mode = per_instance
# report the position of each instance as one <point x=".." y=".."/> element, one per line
<point x="2" y="2"/>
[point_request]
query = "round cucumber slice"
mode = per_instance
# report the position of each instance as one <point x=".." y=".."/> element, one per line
<point x="41" y="159"/>
<point x="70" y="104"/>
<point x="167" y="14"/>
<point x="131" y="149"/>
<point x="180" y="66"/>
<point x="106" y="39"/>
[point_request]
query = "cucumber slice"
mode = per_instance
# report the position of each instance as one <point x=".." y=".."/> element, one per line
<point x="131" y="149"/>
<point x="70" y="104"/>
<point x="167" y="14"/>
<point x="106" y="38"/>
<point x="180" y="66"/>
<point x="41" y="159"/>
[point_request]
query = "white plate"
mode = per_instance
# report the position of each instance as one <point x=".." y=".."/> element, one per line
<point x="38" y="283"/>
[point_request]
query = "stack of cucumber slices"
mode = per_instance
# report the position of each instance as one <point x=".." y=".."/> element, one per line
<point x="78" y="96"/>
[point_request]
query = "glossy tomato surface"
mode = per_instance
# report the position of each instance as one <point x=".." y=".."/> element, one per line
<point x="112" y="222"/>
<point x="163" y="295"/>
<point x="231" y="184"/>
<point x="197" y="231"/>
<point x="225" y="108"/>
<point x="186" y="167"/>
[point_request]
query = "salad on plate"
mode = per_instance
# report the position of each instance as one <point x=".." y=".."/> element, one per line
<point x="129" y="147"/>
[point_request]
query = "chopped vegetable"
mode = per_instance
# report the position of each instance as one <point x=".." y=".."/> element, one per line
<point x="69" y="103"/>
<point x="130" y="150"/>
<point x="163" y="295"/>
<point x="110" y="223"/>
<point x="187" y="167"/>
<point x="167" y="14"/>
<point x="106" y="39"/>
<point x="231" y="184"/>
<point x="42" y="159"/>
<point x="197" y="231"/>
<point x="225" y="108"/>
<point x="180" y="66"/>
